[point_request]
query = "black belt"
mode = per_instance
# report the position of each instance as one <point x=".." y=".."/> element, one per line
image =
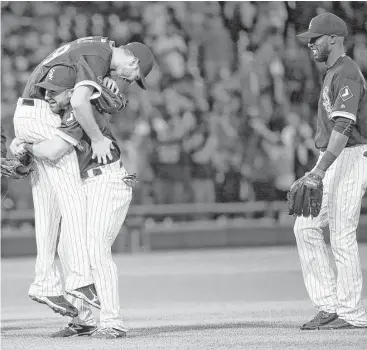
<point x="27" y="102"/>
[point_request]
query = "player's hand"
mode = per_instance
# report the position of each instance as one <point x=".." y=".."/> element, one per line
<point x="102" y="150"/>
<point x="111" y="84"/>
<point x="16" y="147"/>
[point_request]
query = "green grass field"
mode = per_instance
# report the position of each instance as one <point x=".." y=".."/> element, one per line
<point x="204" y="299"/>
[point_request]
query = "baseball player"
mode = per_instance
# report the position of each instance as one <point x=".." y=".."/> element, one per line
<point x="341" y="138"/>
<point x="108" y="199"/>
<point x="92" y="59"/>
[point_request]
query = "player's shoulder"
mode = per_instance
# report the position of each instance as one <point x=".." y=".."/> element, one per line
<point x="348" y="68"/>
<point x="95" y="45"/>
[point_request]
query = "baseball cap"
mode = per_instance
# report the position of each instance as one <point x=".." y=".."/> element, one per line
<point x="325" y="24"/>
<point x="59" y="78"/>
<point x="146" y="60"/>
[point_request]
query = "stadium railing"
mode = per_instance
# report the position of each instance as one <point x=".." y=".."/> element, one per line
<point x="173" y="225"/>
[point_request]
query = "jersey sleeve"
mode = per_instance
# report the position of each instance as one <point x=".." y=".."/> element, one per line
<point x="91" y="70"/>
<point x="70" y="130"/>
<point x="347" y="99"/>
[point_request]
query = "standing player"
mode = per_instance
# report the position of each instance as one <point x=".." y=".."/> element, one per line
<point x="91" y="58"/>
<point x="108" y="199"/>
<point x="341" y="138"/>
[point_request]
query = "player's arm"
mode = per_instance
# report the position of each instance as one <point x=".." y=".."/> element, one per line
<point x="91" y="69"/>
<point x="80" y="102"/>
<point x="67" y="135"/>
<point x="337" y="143"/>
<point x="52" y="149"/>
<point x="345" y="115"/>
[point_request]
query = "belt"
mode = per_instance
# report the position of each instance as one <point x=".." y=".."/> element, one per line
<point x="103" y="169"/>
<point x="31" y="102"/>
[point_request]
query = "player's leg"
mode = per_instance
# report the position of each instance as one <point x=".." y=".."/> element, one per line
<point x="65" y="178"/>
<point x="47" y="285"/>
<point x="47" y="281"/>
<point x="345" y="205"/>
<point x="317" y="272"/>
<point x="34" y="121"/>
<point x="85" y="322"/>
<point x="108" y="200"/>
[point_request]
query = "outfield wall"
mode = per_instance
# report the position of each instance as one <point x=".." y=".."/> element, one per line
<point x="194" y="235"/>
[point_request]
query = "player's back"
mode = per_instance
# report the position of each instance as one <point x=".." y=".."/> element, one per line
<point x="69" y="55"/>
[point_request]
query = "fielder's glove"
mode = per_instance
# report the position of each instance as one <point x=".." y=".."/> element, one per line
<point x="305" y="196"/>
<point x="18" y="167"/>
<point x="130" y="179"/>
<point x="109" y="102"/>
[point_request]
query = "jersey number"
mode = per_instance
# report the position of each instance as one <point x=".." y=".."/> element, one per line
<point x="65" y="48"/>
<point x="61" y="50"/>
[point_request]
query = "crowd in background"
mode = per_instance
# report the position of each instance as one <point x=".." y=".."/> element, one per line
<point x="232" y="100"/>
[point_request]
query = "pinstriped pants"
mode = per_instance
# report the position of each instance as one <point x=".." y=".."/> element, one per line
<point x="57" y="192"/>
<point x="345" y="183"/>
<point x="108" y="200"/>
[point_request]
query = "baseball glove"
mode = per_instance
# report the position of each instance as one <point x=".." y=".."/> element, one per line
<point x="305" y="196"/>
<point x="130" y="179"/>
<point x="18" y="167"/>
<point x="109" y="102"/>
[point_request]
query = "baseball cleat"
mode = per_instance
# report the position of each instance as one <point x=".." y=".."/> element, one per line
<point x="109" y="333"/>
<point x="338" y="323"/>
<point x="58" y="304"/>
<point x="74" y="330"/>
<point x="321" y="318"/>
<point x="88" y="294"/>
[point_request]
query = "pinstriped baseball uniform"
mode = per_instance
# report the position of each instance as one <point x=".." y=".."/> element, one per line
<point x="108" y="200"/>
<point x="60" y="180"/>
<point x="343" y="94"/>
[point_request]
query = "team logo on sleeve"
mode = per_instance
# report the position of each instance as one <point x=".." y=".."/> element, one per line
<point x="345" y="93"/>
<point x="70" y="119"/>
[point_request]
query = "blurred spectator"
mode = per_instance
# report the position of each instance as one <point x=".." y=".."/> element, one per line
<point x="168" y="159"/>
<point x="201" y="145"/>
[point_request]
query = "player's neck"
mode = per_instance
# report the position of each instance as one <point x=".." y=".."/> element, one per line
<point x="113" y="64"/>
<point x="334" y="56"/>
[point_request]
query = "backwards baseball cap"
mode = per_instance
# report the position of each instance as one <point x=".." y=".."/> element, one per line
<point x="325" y="24"/>
<point x="59" y="78"/>
<point x="146" y="60"/>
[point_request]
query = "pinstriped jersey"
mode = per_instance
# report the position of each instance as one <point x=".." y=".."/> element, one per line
<point x="71" y="131"/>
<point x="90" y="57"/>
<point x="343" y="94"/>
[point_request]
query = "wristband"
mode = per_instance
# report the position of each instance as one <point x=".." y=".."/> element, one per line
<point x="326" y="160"/>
